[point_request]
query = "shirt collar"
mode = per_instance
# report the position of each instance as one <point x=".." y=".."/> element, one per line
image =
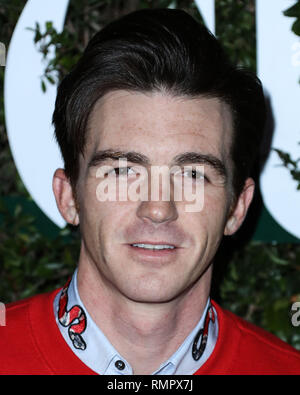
<point x="93" y="348"/>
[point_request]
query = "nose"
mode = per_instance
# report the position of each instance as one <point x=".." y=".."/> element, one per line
<point x="159" y="207"/>
<point x="157" y="211"/>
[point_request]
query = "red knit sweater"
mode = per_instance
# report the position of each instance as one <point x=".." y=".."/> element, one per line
<point x="31" y="343"/>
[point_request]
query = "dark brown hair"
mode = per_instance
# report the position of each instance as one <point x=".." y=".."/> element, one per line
<point x="161" y="49"/>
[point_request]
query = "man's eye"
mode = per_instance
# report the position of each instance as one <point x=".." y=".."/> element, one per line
<point x="194" y="174"/>
<point x="123" y="171"/>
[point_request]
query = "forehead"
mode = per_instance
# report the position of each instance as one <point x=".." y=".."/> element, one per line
<point x="160" y="125"/>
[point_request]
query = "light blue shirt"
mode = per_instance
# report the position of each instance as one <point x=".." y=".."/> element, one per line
<point x="100" y="356"/>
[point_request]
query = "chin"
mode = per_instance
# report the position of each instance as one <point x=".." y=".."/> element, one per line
<point x="148" y="298"/>
<point x="152" y="292"/>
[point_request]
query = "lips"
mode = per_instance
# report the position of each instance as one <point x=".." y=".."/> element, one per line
<point x="154" y="246"/>
<point x="153" y="252"/>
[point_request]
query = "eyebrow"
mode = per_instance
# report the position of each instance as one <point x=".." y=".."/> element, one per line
<point x="180" y="159"/>
<point x="131" y="156"/>
<point x="204" y="159"/>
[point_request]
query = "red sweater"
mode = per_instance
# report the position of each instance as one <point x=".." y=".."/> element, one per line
<point x="31" y="343"/>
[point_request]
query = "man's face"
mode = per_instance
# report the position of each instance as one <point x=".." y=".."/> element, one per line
<point x="157" y="130"/>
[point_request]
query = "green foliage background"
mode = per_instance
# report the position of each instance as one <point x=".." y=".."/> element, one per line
<point x="258" y="281"/>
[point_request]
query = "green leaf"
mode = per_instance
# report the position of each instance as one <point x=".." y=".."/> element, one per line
<point x="49" y="26"/>
<point x="296" y="27"/>
<point x="37" y="37"/>
<point x="43" y="86"/>
<point x="18" y="210"/>
<point x="293" y="11"/>
<point x="50" y="79"/>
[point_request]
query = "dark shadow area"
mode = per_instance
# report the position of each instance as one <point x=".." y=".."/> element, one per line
<point x="238" y="241"/>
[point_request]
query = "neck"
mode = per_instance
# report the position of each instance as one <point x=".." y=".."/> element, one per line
<point x="135" y="329"/>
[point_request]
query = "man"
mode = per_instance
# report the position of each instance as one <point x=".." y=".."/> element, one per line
<point x="153" y="90"/>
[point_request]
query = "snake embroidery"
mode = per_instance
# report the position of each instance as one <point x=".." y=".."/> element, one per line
<point x="197" y="352"/>
<point x="74" y="319"/>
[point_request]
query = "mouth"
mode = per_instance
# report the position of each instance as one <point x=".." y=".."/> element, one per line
<point x="155" y="247"/>
<point x="153" y="250"/>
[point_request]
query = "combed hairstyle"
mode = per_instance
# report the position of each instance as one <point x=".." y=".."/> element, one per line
<point x="159" y="50"/>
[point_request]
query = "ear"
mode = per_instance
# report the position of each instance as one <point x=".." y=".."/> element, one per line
<point x="64" y="197"/>
<point x="238" y="213"/>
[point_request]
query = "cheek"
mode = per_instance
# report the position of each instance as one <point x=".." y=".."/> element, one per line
<point x="209" y="223"/>
<point x="88" y="204"/>
<point x="92" y="213"/>
<point x="103" y="223"/>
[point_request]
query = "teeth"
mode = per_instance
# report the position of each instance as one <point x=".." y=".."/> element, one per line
<point x="154" y="246"/>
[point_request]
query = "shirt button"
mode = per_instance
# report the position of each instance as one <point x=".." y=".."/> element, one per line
<point x="120" y="365"/>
